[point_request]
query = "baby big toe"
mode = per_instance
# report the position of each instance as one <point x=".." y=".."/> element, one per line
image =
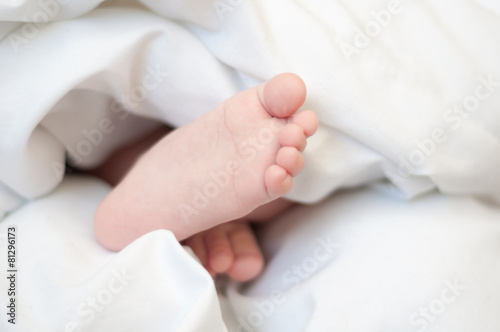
<point x="283" y="94"/>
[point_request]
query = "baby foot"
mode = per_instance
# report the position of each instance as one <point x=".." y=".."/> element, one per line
<point x="230" y="248"/>
<point x="238" y="156"/>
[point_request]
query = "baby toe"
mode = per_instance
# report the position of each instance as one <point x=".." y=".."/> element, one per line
<point x="283" y="94"/>
<point x="307" y="120"/>
<point x="197" y="244"/>
<point x="293" y="135"/>
<point x="246" y="267"/>
<point x="291" y="160"/>
<point x="278" y="181"/>
<point x="220" y="251"/>
<point x="248" y="262"/>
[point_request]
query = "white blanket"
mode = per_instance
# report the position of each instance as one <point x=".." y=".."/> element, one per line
<point x="360" y="261"/>
<point x="404" y="90"/>
<point x="67" y="282"/>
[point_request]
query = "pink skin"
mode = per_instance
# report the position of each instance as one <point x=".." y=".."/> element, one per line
<point x="231" y="248"/>
<point x="252" y="135"/>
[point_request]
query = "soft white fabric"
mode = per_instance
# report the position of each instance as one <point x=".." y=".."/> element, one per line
<point x="367" y="261"/>
<point x="385" y="97"/>
<point x="360" y="261"/>
<point x="98" y="74"/>
<point x="67" y="281"/>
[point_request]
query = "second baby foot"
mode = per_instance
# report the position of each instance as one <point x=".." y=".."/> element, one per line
<point x="229" y="248"/>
